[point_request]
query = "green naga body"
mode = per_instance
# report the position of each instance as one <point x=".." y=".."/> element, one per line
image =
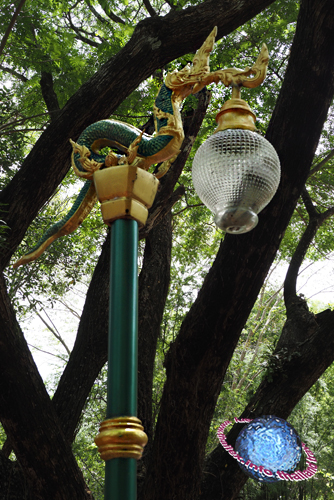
<point x="117" y="134"/>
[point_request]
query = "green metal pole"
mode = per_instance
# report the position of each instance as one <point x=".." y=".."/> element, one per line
<point x="121" y="473"/>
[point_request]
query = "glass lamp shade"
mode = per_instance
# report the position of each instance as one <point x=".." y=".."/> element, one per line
<point x="271" y="442"/>
<point x="236" y="173"/>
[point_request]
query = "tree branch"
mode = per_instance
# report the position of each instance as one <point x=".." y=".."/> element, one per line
<point x="322" y="163"/>
<point x="49" y="95"/>
<point x="13" y="72"/>
<point x="49" y="353"/>
<point x="53" y="331"/>
<point x="11" y="25"/>
<point x="316" y="219"/>
<point x="72" y="311"/>
<point x="12" y="122"/>
<point x="311" y="210"/>
<point x="149" y="8"/>
<point x="187" y="208"/>
<point x="110" y="14"/>
<point x="25" y="130"/>
<point x="96" y="14"/>
<point x="79" y="35"/>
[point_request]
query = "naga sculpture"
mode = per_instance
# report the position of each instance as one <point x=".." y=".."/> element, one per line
<point x="142" y="150"/>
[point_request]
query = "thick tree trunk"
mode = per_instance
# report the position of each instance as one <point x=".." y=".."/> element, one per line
<point x="153" y="289"/>
<point x="89" y="352"/>
<point x="29" y="418"/>
<point x="12" y="483"/>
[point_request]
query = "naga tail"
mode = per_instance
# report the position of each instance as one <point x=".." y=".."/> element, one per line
<point x="79" y="211"/>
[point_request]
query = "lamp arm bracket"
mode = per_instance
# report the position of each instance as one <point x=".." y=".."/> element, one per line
<point x="237" y="77"/>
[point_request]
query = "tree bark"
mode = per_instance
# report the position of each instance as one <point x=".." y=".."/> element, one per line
<point x="153" y="289"/>
<point x="12" y="484"/>
<point x="49" y="95"/>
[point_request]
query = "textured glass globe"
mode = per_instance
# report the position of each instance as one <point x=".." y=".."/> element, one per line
<point x="271" y="442"/>
<point x="236" y="173"/>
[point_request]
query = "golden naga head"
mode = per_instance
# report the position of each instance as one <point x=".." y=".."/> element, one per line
<point x="192" y="78"/>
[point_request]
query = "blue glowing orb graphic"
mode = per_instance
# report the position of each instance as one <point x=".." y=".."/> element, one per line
<point x="271" y="442"/>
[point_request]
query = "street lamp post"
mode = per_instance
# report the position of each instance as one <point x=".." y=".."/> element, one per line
<point x="121" y="440"/>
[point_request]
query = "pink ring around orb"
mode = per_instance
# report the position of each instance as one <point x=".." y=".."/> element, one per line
<point x="298" y="475"/>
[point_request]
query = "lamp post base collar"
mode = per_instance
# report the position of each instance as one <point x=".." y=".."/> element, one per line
<point x="121" y="437"/>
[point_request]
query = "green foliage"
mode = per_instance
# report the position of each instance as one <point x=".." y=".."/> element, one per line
<point x="2" y="436"/>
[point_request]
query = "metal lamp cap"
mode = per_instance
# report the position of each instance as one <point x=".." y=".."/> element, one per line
<point x="235" y="113"/>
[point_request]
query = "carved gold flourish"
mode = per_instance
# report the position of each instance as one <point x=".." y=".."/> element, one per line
<point x="133" y="148"/>
<point x="90" y="166"/>
<point x="165" y="166"/>
<point x="111" y="159"/>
